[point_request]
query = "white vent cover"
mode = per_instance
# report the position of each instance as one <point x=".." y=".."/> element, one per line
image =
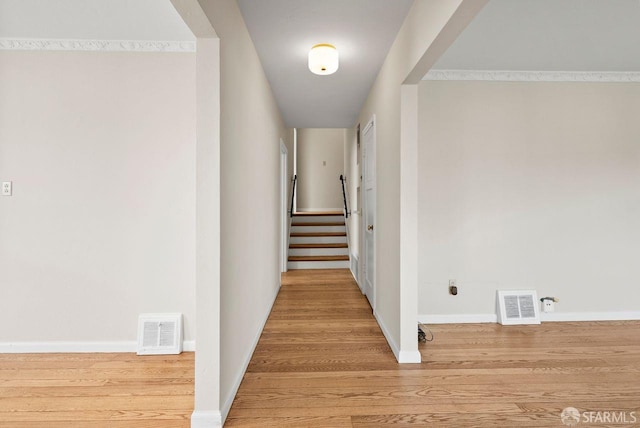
<point x="159" y="334"/>
<point x="518" y="307"/>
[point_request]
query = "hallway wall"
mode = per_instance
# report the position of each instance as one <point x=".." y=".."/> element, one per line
<point x="421" y="28"/>
<point x="251" y="128"/>
<point x="101" y="151"/>
<point x="320" y="164"/>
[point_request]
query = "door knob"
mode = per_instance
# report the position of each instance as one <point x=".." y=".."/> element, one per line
<point x="370" y="227"/>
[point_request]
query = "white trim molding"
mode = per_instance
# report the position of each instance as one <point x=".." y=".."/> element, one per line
<point x="534" y="76"/>
<point x="77" y="347"/>
<point x="458" y="319"/>
<point x="544" y="317"/>
<point x="410" y="357"/>
<point x="590" y="316"/>
<point x="206" y="419"/>
<point x="354" y="266"/>
<point x="96" y="45"/>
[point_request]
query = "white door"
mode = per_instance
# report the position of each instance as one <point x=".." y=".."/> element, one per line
<point x="369" y="209"/>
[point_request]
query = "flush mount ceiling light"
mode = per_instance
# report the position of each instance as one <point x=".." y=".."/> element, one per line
<point x="323" y="59"/>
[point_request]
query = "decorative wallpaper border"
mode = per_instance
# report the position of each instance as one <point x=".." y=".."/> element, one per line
<point x="534" y="76"/>
<point x="97" y="45"/>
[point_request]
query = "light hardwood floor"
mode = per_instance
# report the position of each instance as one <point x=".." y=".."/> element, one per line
<point x="96" y="390"/>
<point x="322" y="362"/>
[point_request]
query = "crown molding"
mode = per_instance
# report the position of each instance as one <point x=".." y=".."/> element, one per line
<point x="96" y="45"/>
<point x="533" y="76"/>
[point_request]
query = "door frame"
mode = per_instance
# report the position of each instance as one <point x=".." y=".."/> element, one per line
<point x="284" y="217"/>
<point x="368" y="152"/>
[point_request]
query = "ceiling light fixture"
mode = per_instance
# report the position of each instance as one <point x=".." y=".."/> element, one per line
<point x="323" y="59"/>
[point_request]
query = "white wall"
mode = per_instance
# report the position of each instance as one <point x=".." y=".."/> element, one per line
<point x="529" y="185"/>
<point x="251" y="128"/>
<point x="101" y="151"/>
<point x="320" y="164"/>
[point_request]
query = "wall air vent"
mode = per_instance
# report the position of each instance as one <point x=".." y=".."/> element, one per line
<point x="518" y="307"/>
<point x="159" y="334"/>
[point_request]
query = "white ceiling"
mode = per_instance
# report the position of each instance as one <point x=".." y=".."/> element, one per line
<point x="549" y="35"/>
<point x="283" y="31"/>
<point x="92" y="20"/>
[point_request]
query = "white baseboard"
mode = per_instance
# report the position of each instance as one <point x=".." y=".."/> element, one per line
<point x="457" y="318"/>
<point x="354" y="266"/>
<point x="236" y="384"/>
<point x="77" y="347"/>
<point x="410" y="357"/>
<point x="590" y="316"/>
<point x="206" y="419"/>
<point x="545" y="317"/>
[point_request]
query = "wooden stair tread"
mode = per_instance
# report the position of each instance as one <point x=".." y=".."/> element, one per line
<point x="300" y="234"/>
<point x="336" y="245"/>
<point x="318" y="258"/>
<point x="317" y="214"/>
<point x="313" y="223"/>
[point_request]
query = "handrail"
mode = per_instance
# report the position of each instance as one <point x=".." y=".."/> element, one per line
<point x="344" y="196"/>
<point x="293" y="193"/>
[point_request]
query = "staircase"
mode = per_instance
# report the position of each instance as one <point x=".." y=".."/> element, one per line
<point x="318" y="241"/>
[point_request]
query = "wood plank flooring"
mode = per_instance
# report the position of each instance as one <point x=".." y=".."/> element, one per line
<point x="96" y="390"/>
<point x="322" y="361"/>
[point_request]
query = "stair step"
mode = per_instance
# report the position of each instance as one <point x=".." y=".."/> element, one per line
<point x="317" y="219"/>
<point x="340" y="264"/>
<point x="321" y="223"/>
<point x="317" y="258"/>
<point x="334" y="245"/>
<point x="310" y="234"/>
<point x="318" y="229"/>
<point x="343" y="251"/>
<point x="318" y="239"/>
<point x="318" y="213"/>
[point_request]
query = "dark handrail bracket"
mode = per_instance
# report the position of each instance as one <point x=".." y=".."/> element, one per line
<point x="293" y="193"/>
<point x="344" y="196"/>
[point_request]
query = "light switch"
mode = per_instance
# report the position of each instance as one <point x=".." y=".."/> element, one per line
<point x="6" y="188"/>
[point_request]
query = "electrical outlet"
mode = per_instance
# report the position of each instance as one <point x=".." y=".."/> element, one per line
<point x="6" y="188"/>
<point x="548" y="305"/>
<point x="453" y="288"/>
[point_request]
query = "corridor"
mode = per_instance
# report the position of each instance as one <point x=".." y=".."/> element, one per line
<point x="322" y="361"/>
